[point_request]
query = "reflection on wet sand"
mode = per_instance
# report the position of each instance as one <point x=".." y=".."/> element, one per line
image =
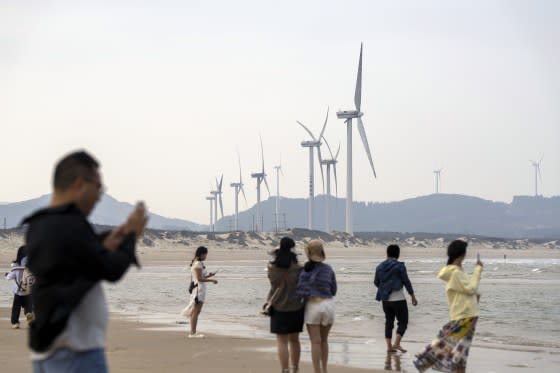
<point x="393" y="362"/>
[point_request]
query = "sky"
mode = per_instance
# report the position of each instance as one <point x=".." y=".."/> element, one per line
<point x="165" y="93"/>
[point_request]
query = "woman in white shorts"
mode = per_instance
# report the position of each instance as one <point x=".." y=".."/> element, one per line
<point x="317" y="285"/>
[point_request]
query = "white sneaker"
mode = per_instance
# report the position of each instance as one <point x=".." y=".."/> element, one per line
<point x="15" y="326"/>
<point x="29" y="317"/>
<point x="196" y="335"/>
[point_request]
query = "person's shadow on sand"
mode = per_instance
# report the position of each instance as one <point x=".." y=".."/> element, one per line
<point x="393" y="362"/>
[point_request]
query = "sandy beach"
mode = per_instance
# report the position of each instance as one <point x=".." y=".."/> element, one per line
<point x="149" y="342"/>
<point x="133" y="347"/>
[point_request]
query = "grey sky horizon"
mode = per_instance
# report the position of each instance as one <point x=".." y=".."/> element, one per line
<point x="163" y="94"/>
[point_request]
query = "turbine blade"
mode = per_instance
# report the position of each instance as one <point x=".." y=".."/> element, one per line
<point x="324" y="125"/>
<point x="243" y="191"/>
<point x="239" y="161"/>
<point x="262" y="154"/>
<point x="266" y="184"/>
<point x="221" y="206"/>
<point x="220" y="186"/>
<point x="307" y="129"/>
<point x="362" y="131"/>
<point x="321" y="167"/>
<point x="328" y="147"/>
<point x="358" y="93"/>
<point x="337" y="150"/>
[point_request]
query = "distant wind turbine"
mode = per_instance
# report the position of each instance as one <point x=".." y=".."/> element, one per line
<point x="348" y="115"/>
<point x="537" y="166"/>
<point x="260" y="176"/>
<point x="238" y="188"/>
<point x="278" y="172"/>
<point x="328" y="163"/>
<point x="218" y="199"/>
<point x="211" y="199"/>
<point x="315" y="143"/>
<point x="437" y="174"/>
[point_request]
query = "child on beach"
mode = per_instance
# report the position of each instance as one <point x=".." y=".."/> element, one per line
<point x="286" y="320"/>
<point x="22" y="297"/>
<point x="200" y="277"/>
<point x="390" y="278"/>
<point x="317" y="286"/>
<point x="450" y="350"/>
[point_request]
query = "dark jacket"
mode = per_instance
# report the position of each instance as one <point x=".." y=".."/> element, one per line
<point x="68" y="259"/>
<point x="390" y="275"/>
<point x="284" y="279"/>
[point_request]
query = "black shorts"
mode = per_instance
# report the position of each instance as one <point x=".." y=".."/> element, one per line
<point x="286" y="322"/>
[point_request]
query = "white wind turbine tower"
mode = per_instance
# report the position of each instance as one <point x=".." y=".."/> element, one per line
<point x="218" y="198"/>
<point x="537" y="166"/>
<point x="437" y="174"/>
<point x="278" y="172"/>
<point x="348" y="115"/>
<point x="238" y="187"/>
<point x="260" y="176"/>
<point x="315" y="143"/>
<point x="211" y="199"/>
<point x="328" y="163"/>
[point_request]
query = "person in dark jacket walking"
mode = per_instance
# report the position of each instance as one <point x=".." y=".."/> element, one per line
<point x="69" y="261"/>
<point x="390" y="278"/>
<point x="22" y="299"/>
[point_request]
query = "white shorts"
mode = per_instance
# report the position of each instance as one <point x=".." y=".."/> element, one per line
<point x="320" y="312"/>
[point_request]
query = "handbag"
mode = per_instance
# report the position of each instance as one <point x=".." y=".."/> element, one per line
<point x="267" y="309"/>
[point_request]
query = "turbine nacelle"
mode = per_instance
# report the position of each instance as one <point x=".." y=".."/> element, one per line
<point x="348" y="114"/>
<point x="310" y="144"/>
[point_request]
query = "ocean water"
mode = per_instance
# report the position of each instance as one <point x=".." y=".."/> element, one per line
<point x="520" y="308"/>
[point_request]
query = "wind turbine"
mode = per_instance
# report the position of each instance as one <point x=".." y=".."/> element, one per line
<point x="211" y="199"/>
<point x="437" y="174"/>
<point x="278" y="172"/>
<point x="218" y="198"/>
<point x="260" y="176"/>
<point x="238" y="187"/>
<point x="537" y="166"/>
<point x="315" y="143"/>
<point x="328" y="163"/>
<point x="348" y="115"/>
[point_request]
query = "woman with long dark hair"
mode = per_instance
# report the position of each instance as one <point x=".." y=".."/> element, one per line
<point x="199" y="276"/>
<point x="286" y="320"/>
<point x="450" y="350"/>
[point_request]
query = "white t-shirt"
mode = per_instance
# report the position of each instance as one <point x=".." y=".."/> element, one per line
<point x="200" y="291"/>
<point x="86" y="327"/>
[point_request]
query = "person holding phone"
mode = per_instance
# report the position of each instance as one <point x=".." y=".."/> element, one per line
<point x="69" y="261"/>
<point x="200" y="277"/>
<point x="449" y="351"/>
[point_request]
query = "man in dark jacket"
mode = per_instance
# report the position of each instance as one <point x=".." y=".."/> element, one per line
<point x="390" y="277"/>
<point x="69" y="261"/>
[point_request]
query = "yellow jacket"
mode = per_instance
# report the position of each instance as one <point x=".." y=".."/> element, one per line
<point x="462" y="291"/>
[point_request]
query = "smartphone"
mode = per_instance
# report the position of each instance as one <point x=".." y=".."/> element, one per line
<point x="477" y="257"/>
<point x="140" y="205"/>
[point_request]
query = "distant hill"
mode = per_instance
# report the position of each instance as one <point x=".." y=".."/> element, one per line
<point x="524" y="217"/>
<point x="108" y="211"/>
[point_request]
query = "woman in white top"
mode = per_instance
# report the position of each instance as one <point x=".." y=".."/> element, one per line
<point x="200" y="277"/>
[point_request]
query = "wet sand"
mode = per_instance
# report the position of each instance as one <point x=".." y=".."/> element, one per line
<point x="133" y="347"/>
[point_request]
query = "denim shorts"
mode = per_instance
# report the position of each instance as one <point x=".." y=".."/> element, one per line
<point x="69" y="361"/>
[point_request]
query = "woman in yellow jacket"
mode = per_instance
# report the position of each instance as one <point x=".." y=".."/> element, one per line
<point x="450" y="350"/>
